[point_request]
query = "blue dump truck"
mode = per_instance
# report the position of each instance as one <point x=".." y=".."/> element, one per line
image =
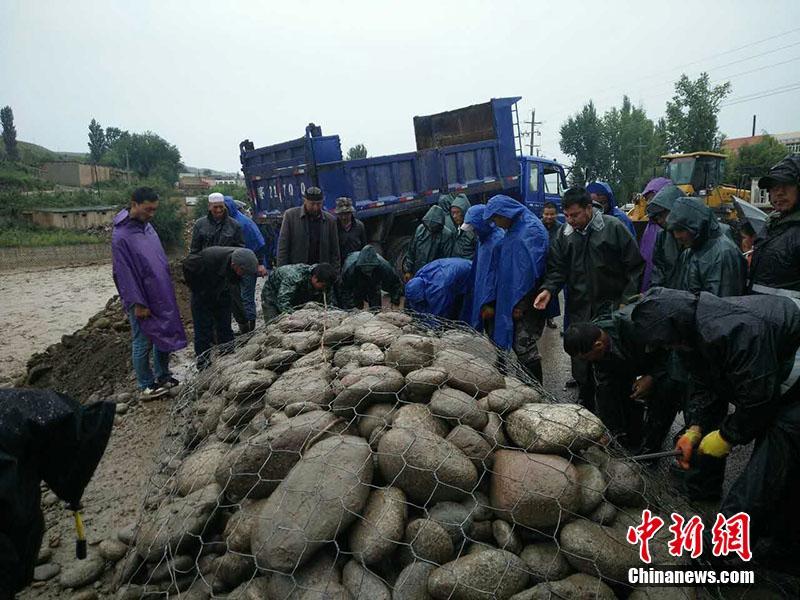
<point x="475" y="151"/>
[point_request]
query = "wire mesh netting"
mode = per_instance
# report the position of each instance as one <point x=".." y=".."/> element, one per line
<point x="373" y="455"/>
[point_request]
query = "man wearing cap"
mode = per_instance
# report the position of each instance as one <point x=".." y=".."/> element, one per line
<point x="294" y="285"/>
<point x="775" y="266"/>
<point x="308" y="234"/>
<point x="217" y="228"/>
<point x="351" y="231"/>
<point x="209" y="274"/>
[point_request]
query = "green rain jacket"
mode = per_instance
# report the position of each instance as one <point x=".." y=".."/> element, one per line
<point x="289" y="286"/>
<point x="464" y="241"/>
<point x="666" y="251"/>
<point x="431" y="241"/>
<point x="364" y="275"/>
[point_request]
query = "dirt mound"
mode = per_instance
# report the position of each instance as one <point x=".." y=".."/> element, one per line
<point x="95" y="360"/>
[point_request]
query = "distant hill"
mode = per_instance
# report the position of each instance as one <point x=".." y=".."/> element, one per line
<point x="210" y="172"/>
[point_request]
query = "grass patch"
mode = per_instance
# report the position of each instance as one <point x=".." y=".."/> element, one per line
<point x="27" y="237"/>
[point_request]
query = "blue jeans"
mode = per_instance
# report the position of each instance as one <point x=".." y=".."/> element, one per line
<point x="247" y="287"/>
<point x="141" y="351"/>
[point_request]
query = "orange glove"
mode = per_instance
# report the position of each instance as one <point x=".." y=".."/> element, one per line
<point x="686" y="444"/>
<point x="487" y="313"/>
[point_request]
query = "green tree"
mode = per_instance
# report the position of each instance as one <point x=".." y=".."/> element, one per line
<point x="583" y="138"/>
<point x="356" y="152"/>
<point x="629" y="135"/>
<point x="753" y="160"/>
<point x="691" y="115"/>
<point x="147" y="154"/>
<point x="97" y="141"/>
<point x="9" y="133"/>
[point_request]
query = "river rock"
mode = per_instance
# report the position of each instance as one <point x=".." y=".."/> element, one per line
<point x="298" y="408"/>
<point x="255" y="467"/>
<point x="177" y="523"/>
<point x="302" y="342"/>
<point x="112" y="550"/>
<point x="412" y="416"/>
<point x="625" y="483"/>
<point x="592" y="484"/>
<point x="468" y="373"/>
<point x="412" y="583"/>
<point x="425" y="466"/>
<point x="313" y="359"/>
<point x="197" y="471"/>
<point x="506" y="400"/>
<point x="378" y="332"/>
<point x="479" y="506"/>
<point x="427" y="540"/>
<point x="363" y="584"/>
<point x="249" y="384"/>
<point x="494" y="433"/>
<point x="492" y="574"/>
<point x="473" y="445"/>
<point x="171" y="569"/>
<point x="240" y="525"/>
<point x="81" y="573"/>
<point x="592" y="549"/>
<point x="553" y="428"/>
<point x="682" y="593"/>
<point x="456" y="518"/>
<point x="506" y="537"/>
<point x="367" y="385"/>
<point x="421" y="384"/>
<point x="320" y="497"/>
<point x="370" y="355"/>
<point x="233" y="568"/>
<point x="604" y="514"/>
<point x="375" y="535"/>
<point x="458" y="408"/>
<point x="545" y="561"/>
<point x="309" y="384"/>
<point x="535" y="490"/>
<point x="46" y="571"/>
<point x="398" y="319"/>
<point x="316" y="575"/>
<point x="575" y="587"/>
<point x="338" y="335"/>
<point x="346" y="355"/>
<point x="377" y="416"/>
<point x="332" y="591"/>
<point x="478" y="346"/>
<point x="278" y="361"/>
<point x="410" y="353"/>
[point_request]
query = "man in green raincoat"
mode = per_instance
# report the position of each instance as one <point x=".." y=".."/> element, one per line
<point x="292" y="285"/>
<point x="712" y="262"/>
<point x="666" y="250"/>
<point x="464" y="241"/>
<point x="431" y="241"/>
<point x="364" y="276"/>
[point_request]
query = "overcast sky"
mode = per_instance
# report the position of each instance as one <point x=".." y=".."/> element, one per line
<point x="207" y="74"/>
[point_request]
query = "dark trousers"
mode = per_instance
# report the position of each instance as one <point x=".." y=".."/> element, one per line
<point x="769" y="487"/>
<point x="237" y="303"/>
<point x="620" y="414"/>
<point x="212" y="324"/>
<point x="527" y="332"/>
<point x="583" y="373"/>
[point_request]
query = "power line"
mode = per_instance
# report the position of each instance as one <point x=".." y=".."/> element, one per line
<point x="764" y="94"/>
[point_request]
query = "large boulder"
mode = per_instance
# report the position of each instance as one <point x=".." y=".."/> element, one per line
<point x="197" y="471"/>
<point x="319" y="498"/>
<point x="594" y="549"/>
<point x="177" y="524"/>
<point x="308" y="384"/>
<point x="535" y="490"/>
<point x="365" y="386"/>
<point x="410" y="353"/>
<point x="473" y="445"/>
<point x="488" y="575"/>
<point x="239" y="526"/>
<point x="458" y="407"/>
<point x="249" y="384"/>
<point x="592" y="484"/>
<point x="302" y="342"/>
<point x="545" y="561"/>
<point x="412" y="583"/>
<point x="425" y="466"/>
<point x="468" y="373"/>
<point x="255" y="467"/>
<point x="421" y="384"/>
<point x="509" y="399"/>
<point x="412" y="416"/>
<point x="427" y="540"/>
<point x="625" y="483"/>
<point x="378" y="332"/>
<point x="377" y="416"/>
<point x="475" y="345"/>
<point x="313" y="359"/>
<point x="575" y="587"/>
<point x="370" y="355"/>
<point x="363" y="584"/>
<point x="376" y="534"/>
<point x="553" y="428"/>
<point x="316" y="576"/>
<point x="455" y="517"/>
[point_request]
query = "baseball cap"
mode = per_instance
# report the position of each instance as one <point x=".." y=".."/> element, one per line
<point x="344" y="205"/>
<point x="786" y="171"/>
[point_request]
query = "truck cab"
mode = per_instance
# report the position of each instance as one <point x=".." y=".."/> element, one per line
<point x="543" y="182"/>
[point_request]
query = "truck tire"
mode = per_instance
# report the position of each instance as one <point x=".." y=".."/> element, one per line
<point x="396" y="251"/>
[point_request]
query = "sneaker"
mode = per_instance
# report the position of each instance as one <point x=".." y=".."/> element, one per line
<point x="167" y="383"/>
<point x="152" y="393"/>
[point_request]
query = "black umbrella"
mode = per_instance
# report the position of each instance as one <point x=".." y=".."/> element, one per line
<point x="750" y="214"/>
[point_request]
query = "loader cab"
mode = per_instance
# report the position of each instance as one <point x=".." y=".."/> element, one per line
<point x="695" y="172"/>
<point x="543" y="181"/>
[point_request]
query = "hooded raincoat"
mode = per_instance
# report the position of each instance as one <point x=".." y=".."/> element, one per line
<point x="602" y="188"/>
<point x="439" y="287"/>
<point x="484" y="265"/>
<point x="253" y="238"/>
<point x="142" y="276"/>
<point x="431" y="241"/>
<point x="523" y="260"/>
<point x="44" y="436"/>
<point x="287" y="287"/>
<point x="666" y="252"/>
<point x="207" y="232"/>
<point x="600" y="267"/>
<point x="364" y="275"/>
<point x="464" y="241"/>
<point x="648" y="241"/>
<point x="713" y="264"/>
<point x="776" y="256"/>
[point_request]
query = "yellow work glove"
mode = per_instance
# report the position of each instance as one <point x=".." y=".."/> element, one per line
<point x="686" y="444"/>
<point x="714" y="445"/>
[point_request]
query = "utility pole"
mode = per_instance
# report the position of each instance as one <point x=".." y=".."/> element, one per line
<point x="754" y="127"/>
<point x="639" y="145"/>
<point x="534" y="132"/>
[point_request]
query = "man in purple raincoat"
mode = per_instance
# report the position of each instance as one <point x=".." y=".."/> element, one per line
<point x="648" y="243"/>
<point x="142" y="277"/>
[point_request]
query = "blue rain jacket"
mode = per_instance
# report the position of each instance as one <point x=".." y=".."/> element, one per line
<point x="435" y="287"/>
<point x="601" y="187"/>
<point x="484" y="265"/>
<point x="253" y="239"/>
<point x="522" y="262"/>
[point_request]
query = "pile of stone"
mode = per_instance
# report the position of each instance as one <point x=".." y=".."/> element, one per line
<point x="369" y="456"/>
